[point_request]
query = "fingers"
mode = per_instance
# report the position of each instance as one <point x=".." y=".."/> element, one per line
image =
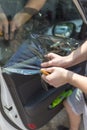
<point x="11" y="35"/>
<point x="47" y="64"/>
<point x="1" y="27"/>
<point x="57" y="76"/>
<point x="9" y="30"/>
<point x="12" y="30"/>
<point x="1" y="30"/>
<point x="44" y="77"/>
<point x="50" y="62"/>
<point x="47" y="75"/>
<point x="50" y="55"/>
<point x="47" y="71"/>
<point x="4" y="25"/>
<point x="6" y="30"/>
<point x="43" y="71"/>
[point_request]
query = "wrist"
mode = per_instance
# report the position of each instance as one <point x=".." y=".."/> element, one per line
<point x="69" y="60"/>
<point x="29" y="11"/>
<point x="66" y="76"/>
<point x="71" y="76"/>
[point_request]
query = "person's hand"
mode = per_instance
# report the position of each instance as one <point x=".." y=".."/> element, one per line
<point x="57" y="76"/>
<point x="56" y="61"/>
<point x="18" y="20"/>
<point x="4" y="25"/>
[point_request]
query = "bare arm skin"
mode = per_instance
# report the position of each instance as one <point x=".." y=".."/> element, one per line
<point x="77" y="81"/>
<point x="58" y="75"/>
<point x="77" y="56"/>
<point x="36" y="4"/>
<point x="33" y="6"/>
<point x="30" y="9"/>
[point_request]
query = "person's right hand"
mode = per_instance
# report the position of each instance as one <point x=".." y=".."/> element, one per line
<point x="4" y="25"/>
<point x="57" y="76"/>
<point x="56" y="61"/>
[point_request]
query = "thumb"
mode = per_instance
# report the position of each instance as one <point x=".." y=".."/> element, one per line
<point x="50" y="55"/>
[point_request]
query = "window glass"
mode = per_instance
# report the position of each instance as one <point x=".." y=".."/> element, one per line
<point x="59" y="11"/>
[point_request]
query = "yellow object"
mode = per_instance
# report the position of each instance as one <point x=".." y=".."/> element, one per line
<point x="1" y="33"/>
<point x="44" y="72"/>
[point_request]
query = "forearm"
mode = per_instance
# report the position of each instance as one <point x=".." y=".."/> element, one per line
<point x="79" y="55"/>
<point x="36" y="4"/>
<point x="31" y="8"/>
<point x="77" y="81"/>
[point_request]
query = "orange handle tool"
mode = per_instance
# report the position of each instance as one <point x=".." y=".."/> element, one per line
<point x="44" y="72"/>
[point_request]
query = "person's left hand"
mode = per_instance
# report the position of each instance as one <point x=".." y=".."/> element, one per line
<point x="18" y="20"/>
<point x="57" y="76"/>
<point x="4" y="26"/>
